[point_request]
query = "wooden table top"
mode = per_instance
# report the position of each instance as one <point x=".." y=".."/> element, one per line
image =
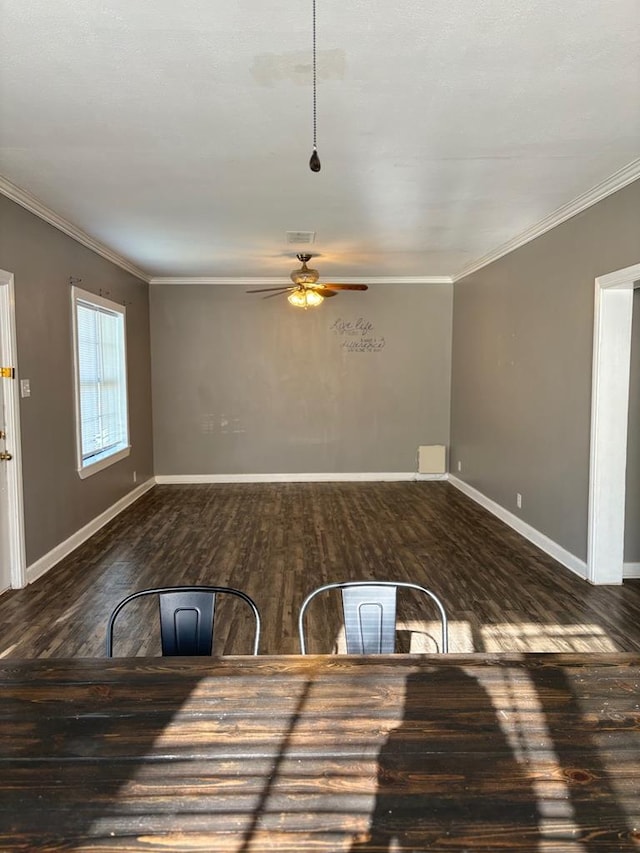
<point x="318" y="753"/>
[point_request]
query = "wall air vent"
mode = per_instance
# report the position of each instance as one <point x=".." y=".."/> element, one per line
<point x="301" y="236"/>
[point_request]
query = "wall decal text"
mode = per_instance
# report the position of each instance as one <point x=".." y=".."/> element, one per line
<point x="358" y="335"/>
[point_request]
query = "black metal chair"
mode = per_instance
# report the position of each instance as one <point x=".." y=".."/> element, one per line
<point x="369" y="609"/>
<point x="186" y="617"/>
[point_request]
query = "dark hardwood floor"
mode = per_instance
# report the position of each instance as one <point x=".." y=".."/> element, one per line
<point x="278" y="542"/>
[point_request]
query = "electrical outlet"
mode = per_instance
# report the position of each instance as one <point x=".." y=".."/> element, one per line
<point x="518" y="500"/>
<point x="459" y="465"/>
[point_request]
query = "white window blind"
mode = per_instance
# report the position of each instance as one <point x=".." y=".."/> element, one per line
<point x="101" y="386"/>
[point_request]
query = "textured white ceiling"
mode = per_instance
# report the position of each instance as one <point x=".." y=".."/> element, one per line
<point x="178" y="134"/>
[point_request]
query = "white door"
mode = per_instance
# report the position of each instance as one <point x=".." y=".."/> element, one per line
<point x="5" y="556"/>
<point x="12" y="544"/>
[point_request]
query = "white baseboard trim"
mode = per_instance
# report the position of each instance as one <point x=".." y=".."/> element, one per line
<point x="569" y="560"/>
<point x="48" y="560"/>
<point x="366" y="477"/>
<point x="631" y="570"/>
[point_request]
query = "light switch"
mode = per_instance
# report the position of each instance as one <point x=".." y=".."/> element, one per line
<point x="25" y="388"/>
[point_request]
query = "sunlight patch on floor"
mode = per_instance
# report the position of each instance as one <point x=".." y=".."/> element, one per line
<point x="465" y="638"/>
<point x="535" y="637"/>
<point x="426" y="637"/>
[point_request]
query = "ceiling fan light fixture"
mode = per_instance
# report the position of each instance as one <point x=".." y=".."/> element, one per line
<point x="307" y="291"/>
<point x="305" y="298"/>
<point x="305" y="276"/>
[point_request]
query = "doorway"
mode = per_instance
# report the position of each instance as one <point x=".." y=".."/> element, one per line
<point x="12" y="544"/>
<point x="609" y="413"/>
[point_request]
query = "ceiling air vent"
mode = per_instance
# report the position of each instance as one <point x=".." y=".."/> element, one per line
<point x="301" y="236"/>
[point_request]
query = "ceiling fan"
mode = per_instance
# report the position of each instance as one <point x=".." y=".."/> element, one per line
<point x="306" y="291"/>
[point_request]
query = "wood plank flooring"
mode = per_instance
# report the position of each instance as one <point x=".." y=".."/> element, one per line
<point x="277" y="542"/>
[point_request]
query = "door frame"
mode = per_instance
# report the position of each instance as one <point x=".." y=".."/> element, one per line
<point x="613" y="316"/>
<point x="9" y="358"/>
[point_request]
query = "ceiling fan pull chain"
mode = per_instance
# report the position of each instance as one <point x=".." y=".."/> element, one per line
<point x="314" y="162"/>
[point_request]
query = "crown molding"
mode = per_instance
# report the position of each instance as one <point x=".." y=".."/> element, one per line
<point x="620" y="179"/>
<point x="259" y="281"/>
<point x="275" y="281"/>
<point x="35" y="206"/>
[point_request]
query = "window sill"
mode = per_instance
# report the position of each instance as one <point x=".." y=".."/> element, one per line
<point x="101" y="464"/>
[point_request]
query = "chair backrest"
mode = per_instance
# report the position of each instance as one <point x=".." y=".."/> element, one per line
<point x="186" y="617"/>
<point x="369" y="609"/>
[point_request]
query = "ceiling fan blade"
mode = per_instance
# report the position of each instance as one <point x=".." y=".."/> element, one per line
<point x="332" y="286"/>
<point x="279" y="293"/>
<point x="267" y="289"/>
<point x="324" y="291"/>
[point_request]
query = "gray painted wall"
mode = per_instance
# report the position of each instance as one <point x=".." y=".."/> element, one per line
<point x="632" y="512"/>
<point x="245" y="385"/>
<point x="521" y="370"/>
<point x="57" y="502"/>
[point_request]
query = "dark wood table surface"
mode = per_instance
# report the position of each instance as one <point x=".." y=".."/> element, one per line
<point x="405" y="753"/>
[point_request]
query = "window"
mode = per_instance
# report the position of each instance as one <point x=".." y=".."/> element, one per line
<point x="102" y="420"/>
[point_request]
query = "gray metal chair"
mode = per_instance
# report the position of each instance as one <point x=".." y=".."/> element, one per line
<point x="369" y="609"/>
<point x="186" y="617"/>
